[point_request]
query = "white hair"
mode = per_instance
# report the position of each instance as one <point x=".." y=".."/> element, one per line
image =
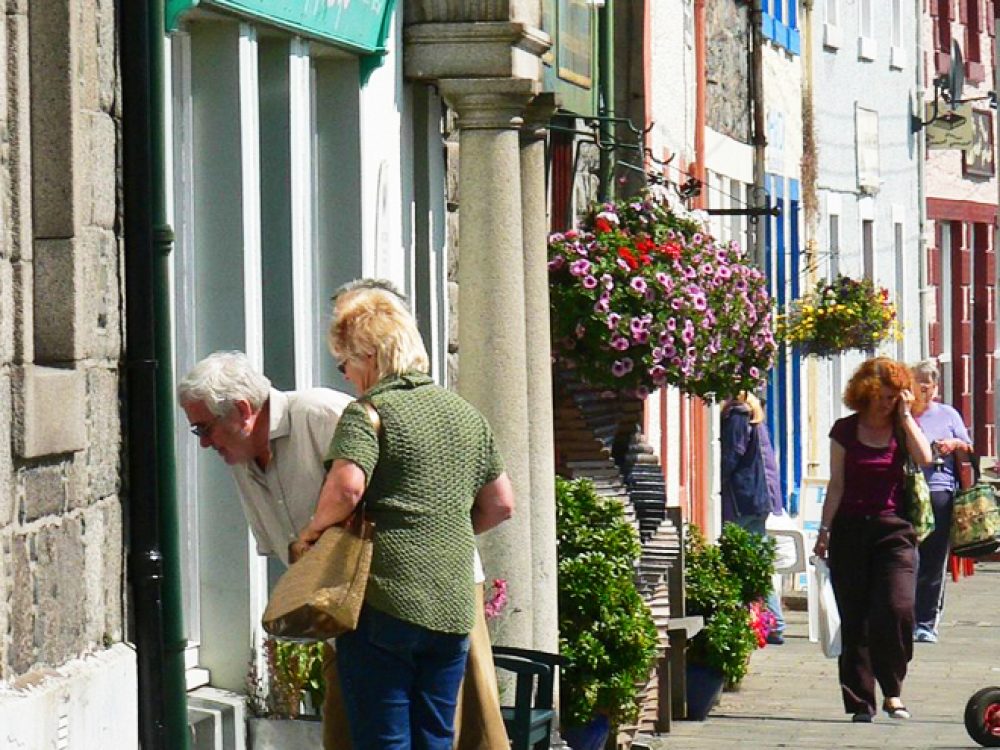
<point x="925" y="369"/>
<point x="222" y="379"/>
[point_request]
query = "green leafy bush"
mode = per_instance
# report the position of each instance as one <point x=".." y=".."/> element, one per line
<point x="749" y="558"/>
<point x="607" y="634"/>
<point x="714" y="592"/>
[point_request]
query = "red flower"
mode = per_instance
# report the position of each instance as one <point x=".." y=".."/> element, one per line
<point x="625" y="254"/>
<point x="602" y="225"/>
<point x="645" y="245"/>
<point x="672" y="250"/>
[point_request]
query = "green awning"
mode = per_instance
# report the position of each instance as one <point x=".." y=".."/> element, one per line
<point x="357" y="25"/>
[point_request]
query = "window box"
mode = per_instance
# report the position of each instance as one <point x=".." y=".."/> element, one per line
<point x="897" y="58"/>
<point x="867" y="48"/>
<point x="831" y="36"/>
<point x="975" y="72"/>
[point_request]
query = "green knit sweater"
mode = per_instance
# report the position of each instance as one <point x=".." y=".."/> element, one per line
<point x="433" y="454"/>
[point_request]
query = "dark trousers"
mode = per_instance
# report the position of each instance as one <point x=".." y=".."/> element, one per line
<point x="933" y="557"/>
<point x="873" y="568"/>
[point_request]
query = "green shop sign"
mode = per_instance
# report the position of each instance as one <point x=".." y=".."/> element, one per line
<point x="358" y="25"/>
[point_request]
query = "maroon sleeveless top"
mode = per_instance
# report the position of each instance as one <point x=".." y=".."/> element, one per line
<point x="874" y="480"/>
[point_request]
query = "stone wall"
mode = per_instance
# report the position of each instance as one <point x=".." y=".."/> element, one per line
<point x="727" y="65"/>
<point x="61" y="538"/>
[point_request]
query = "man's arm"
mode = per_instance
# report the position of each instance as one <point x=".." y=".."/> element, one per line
<point x="494" y="504"/>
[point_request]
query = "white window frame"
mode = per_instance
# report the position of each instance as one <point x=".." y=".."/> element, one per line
<point x="900" y="290"/>
<point x="831" y="25"/>
<point x="867" y="43"/>
<point x="897" y="52"/>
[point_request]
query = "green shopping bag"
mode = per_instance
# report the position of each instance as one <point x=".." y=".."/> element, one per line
<point x="975" y="517"/>
<point x="919" y="511"/>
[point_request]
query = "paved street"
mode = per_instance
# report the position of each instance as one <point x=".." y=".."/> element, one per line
<point x="790" y="699"/>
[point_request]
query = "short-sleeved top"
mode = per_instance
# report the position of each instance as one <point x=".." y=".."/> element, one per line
<point x="424" y="468"/>
<point x="280" y="500"/>
<point x="941" y="422"/>
<point x="874" y="480"/>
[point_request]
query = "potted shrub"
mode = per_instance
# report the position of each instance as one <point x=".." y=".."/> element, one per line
<point x="643" y="296"/>
<point x="607" y="634"/>
<point x="749" y="558"/>
<point x="839" y="315"/>
<point x="718" y="653"/>
<point x="285" y="702"/>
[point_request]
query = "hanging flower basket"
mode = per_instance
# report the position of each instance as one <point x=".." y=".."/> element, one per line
<point x="642" y="297"/>
<point x="839" y="315"/>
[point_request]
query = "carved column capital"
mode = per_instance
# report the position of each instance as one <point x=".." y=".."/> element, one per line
<point x="488" y="103"/>
<point x="537" y="117"/>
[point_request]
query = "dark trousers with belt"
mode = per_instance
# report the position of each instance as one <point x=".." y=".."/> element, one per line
<point x="873" y="569"/>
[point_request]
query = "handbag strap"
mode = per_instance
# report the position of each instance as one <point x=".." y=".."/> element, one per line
<point x="973" y="458"/>
<point x="909" y="465"/>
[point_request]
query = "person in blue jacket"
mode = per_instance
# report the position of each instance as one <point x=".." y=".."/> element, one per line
<point x="750" y="486"/>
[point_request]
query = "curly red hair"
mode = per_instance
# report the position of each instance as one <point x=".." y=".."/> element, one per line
<point x="871" y="377"/>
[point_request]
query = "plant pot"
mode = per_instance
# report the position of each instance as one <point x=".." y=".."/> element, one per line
<point x="704" y="685"/>
<point x="591" y="736"/>
<point x="284" y="734"/>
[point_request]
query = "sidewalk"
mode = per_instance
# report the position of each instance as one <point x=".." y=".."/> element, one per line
<point x="791" y="697"/>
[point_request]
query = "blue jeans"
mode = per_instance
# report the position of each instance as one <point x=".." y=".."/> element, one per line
<point x="400" y="683"/>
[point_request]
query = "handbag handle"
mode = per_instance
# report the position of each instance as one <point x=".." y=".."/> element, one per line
<point x="973" y="458"/>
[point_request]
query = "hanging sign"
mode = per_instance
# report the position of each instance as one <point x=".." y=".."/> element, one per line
<point x="977" y="159"/>
<point x="359" y="25"/>
<point x="951" y="129"/>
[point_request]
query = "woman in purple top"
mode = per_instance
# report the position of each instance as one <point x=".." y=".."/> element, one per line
<point x="943" y="427"/>
<point x="872" y="547"/>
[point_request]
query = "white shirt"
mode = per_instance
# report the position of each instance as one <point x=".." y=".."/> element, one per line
<point x="279" y="502"/>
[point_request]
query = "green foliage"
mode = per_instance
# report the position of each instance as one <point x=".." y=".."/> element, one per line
<point x="607" y="635"/>
<point x="716" y="593"/>
<point x="749" y="558"/>
<point x="294" y="671"/>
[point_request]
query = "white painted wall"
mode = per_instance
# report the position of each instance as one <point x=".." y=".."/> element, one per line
<point x="90" y="702"/>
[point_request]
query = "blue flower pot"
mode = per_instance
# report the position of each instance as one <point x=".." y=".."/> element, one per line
<point x="592" y="736"/>
<point x="704" y="685"/>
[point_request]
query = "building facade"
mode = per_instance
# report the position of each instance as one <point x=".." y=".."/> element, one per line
<point x="66" y="676"/>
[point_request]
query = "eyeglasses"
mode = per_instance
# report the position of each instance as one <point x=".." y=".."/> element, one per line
<point x="204" y="430"/>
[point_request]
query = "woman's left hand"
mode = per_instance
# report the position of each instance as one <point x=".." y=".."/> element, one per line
<point x="950" y="445"/>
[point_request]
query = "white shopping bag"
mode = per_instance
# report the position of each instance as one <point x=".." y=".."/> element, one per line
<point x="828" y="615"/>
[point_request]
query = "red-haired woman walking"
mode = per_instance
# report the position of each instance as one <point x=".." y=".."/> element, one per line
<point x="871" y="544"/>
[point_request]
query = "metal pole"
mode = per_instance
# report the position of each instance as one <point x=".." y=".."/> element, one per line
<point x="759" y="134"/>
<point x="153" y="560"/>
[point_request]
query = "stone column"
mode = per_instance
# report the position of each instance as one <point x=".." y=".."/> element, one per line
<point x="534" y="218"/>
<point x="492" y="342"/>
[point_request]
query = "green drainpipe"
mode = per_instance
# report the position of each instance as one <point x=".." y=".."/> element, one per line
<point x="154" y="560"/>
<point x="174" y="637"/>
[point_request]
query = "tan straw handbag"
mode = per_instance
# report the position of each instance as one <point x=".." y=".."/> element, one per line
<point x="320" y="596"/>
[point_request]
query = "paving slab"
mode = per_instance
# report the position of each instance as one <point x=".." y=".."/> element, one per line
<point x="791" y="697"/>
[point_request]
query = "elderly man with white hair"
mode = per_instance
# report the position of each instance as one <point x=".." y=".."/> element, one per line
<point x="274" y="442"/>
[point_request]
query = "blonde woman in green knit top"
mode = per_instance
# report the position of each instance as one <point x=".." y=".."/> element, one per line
<point x="430" y="476"/>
